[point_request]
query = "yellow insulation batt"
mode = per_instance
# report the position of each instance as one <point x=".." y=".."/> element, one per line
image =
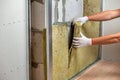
<point x="80" y="57"/>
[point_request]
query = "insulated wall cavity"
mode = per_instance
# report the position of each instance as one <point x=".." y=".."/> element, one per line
<point x="82" y="57"/>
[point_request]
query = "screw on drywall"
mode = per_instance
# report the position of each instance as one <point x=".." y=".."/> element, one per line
<point x="9" y="23"/>
<point x="17" y="68"/>
<point x="4" y="74"/>
<point x="14" y="22"/>
<point x="18" y="21"/>
<point x="11" y="70"/>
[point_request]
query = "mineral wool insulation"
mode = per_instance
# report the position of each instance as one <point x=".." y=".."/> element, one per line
<point x="80" y="57"/>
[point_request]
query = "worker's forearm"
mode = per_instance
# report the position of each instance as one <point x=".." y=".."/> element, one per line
<point x="84" y="41"/>
<point x="105" y="15"/>
<point x="113" y="38"/>
<point x="110" y="41"/>
<point x="100" y="40"/>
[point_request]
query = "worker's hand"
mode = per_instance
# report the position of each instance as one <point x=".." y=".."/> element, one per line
<point x="81" y="41"/>
<point x="82" y="20"/>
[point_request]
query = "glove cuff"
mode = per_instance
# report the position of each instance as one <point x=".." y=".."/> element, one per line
<point x="85" y="18"/>
<point x="89" y="42"/>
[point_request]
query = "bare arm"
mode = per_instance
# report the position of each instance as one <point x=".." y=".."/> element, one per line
<point x="105" y="15"/>
<point x="84" y="41"/>
<point x="109" y="39"/>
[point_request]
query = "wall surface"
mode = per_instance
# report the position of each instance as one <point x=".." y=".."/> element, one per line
<point x="13" y="40"/>
<point x="66" y="10"/>
<point x="111" y="52"/>
<point x="38" y="14"/>
<point x="81" y="57"/>
<point x="38" y="23"/>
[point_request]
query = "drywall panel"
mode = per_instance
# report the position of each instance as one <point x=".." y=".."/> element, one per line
<point x="111" y="52"/>
<point x="13" y="40"/>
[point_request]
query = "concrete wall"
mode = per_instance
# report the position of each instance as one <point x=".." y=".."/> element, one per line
<point x="66" y="10"/>
<point x="111" y="52"/>
<point x="82" y="57"/>
<point x="38" y="23"/>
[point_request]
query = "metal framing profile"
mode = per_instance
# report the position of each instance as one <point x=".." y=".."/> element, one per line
<point x="48" y="24"/>
<point x="28" y="38"/>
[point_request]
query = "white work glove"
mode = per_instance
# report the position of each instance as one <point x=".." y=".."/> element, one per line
<point x="82" y="20"/>
<point x="81" y="41"/>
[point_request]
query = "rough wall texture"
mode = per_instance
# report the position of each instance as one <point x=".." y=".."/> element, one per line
<point x="38" y="14"/>
<point x="38" y="72"/>
<point x="81" y="57"/>
<point x="37" y="23"/>
<point x="66" y="10"/>
<point x="91" y="7"/>
<point x="37" y="52"/>
<point x="60" y="52"/>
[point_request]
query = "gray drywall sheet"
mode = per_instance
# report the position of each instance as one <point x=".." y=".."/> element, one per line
<point x="13" y="40"/>
<point x="111" y="52"/>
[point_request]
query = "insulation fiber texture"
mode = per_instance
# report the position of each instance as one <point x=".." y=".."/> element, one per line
<point x="80" y="57"/>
